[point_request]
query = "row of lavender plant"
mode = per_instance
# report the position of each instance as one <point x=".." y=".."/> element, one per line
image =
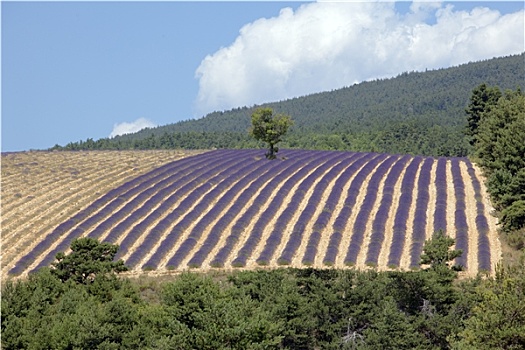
<point x="379" y="224"/>
<point x="190" y="193"/>
<point x="440" y="213"/>
<point x="366" y="164"/>
<point x="108" y="216"/>
<point x="419" y="225"/>
<point x="284" y="219"/>
<point x="225" y="194"/>
<point x="361" y="221"/>
<point x="484" y="261"/>
<point x="401" y="216"/>
<point x="258" y="171"/>
<point x="321" y="222"/>
<point x="167" y="197"/>
<point x="255" y="236"/>
<point x="277" y="172"/>
<point x="114" y="197"/>
<point x="328" y="210"/>
<point x="460" y="219"/>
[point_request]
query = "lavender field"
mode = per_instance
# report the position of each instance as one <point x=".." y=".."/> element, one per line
<point x="231" y="209"/>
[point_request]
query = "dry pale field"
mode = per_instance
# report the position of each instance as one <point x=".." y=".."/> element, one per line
<point x="231" y="209"/>
<point x="41" y="189"/>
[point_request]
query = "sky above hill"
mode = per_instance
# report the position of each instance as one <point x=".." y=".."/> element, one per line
<point x="78" y="70"/>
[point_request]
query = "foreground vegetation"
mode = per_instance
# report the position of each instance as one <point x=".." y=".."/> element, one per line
<point x="82" y="304"/>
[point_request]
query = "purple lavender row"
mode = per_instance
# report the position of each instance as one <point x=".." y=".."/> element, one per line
<point x="361" y="220"/>
<point x="370" y="161"/>
<point x="284" y="219"/>
<point x="180" y="189"/>
<point x="379" y="223"/>
<point x="264" y="169"/>
<point x="114" y="217"/>
<point x="111" y="195"/>
<point x="401" y="216"/>
<point x="482" y="225"/>
<point x="440" y="213"/>
<point x="277" y="174"/>
<point x="315" y="158"/>
<point x="168" y="197"/>
<point x="325" y="216"/>
<point x="313" y="202"/>
<point x="197" y="195"/>
<point x="150" y="198"/>
<point x="419" y="225"/>
<point x="460" y="219"/>
<point x="250" y="167"/>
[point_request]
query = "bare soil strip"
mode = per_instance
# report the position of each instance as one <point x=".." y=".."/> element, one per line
<point x="47" y="218"/>
<point x="345" y="241"/>
<point x="361" y="257"/>
<point x="309" y="226"/>
<point x="495" y="244"/>
<point x="470" y="213"/>
<point x="382" y="260"/>
<point x="249" y="228"/>
<point x="404" y="263"/>
<point x="271" y="225"/>
<point x="212" y="223"/>
<point x="222" y="240"/>
<point x="451" y="203"/>
<point x="432" y="197"/>
<point x="323" y="244"/>
<point x="100" y="238"/>
<point x="325" y="235"/>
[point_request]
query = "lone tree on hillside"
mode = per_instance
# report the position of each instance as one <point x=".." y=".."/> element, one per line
<point x="269" y="128"/>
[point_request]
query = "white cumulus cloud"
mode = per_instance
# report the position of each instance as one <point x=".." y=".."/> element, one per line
<point x="128" y="128"/>
<point x="324" y="46"/>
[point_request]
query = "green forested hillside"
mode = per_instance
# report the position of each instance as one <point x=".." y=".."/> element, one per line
<point x="416" y="113"/>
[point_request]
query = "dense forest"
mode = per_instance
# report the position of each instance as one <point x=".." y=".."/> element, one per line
<point x="414" y="113"/>
<point x="81" y="303"/>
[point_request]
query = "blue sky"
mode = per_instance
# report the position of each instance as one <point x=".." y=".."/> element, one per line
<point x="78" y="70"/>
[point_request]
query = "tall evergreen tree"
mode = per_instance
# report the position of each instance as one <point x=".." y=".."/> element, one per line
<point x="483" y="99"/>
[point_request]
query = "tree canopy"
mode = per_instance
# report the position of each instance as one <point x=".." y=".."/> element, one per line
<point x="268" y="309"/>
<point x="88" y="259"/>
<point x="270" y="128"/>
<point x="499" y="146"/>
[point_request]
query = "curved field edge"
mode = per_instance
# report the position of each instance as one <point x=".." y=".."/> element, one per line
<point x="232" y="209"/>
<point x="41" y="189"/>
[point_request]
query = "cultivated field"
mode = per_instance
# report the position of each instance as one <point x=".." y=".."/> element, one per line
<point x="41" y="189"/>
<point x="229" y="209"/>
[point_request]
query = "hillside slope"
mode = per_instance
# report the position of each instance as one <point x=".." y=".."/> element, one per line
<point x="417" y="113"/>
<point x="233" y="209"/>
<point x="42" y="189"/>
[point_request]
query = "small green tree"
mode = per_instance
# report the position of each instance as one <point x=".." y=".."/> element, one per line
<point x="437" y="253"/>
<point x="269" y="128"/>
<point x="88" y="259"/>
